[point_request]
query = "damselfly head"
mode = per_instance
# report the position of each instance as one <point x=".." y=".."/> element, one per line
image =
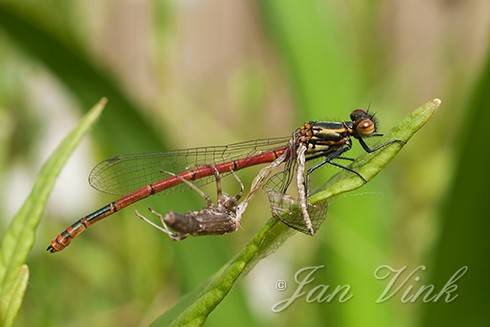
<point x="364" y="123"/>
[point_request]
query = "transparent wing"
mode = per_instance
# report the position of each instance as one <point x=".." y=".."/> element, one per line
<point x="279" y="182"/>
<point x="126" y="173"/>
<point x="285" y="208"/>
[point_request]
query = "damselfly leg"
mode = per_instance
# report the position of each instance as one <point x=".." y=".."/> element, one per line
<point x="328" y="159"/>
<point x="368" y="149"/>
<point x="238" y="196"/>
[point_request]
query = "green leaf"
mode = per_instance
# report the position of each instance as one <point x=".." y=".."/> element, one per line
<point x="195" y="307"/>
<point x="19" y="237"/>
<point x="10" y="303"/>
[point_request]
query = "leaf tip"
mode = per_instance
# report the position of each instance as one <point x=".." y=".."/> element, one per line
<point x="102" y="102"/>
<point x="436" y="102"/>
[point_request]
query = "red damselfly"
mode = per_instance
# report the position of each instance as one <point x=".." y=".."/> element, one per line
<point x="139" y="176"/>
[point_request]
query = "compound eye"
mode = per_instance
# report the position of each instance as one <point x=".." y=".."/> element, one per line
<point x="365" y="127"/>
<point x="357" y="114"/>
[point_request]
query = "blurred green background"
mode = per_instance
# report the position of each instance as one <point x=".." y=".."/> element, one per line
<point x="194" y="73"/>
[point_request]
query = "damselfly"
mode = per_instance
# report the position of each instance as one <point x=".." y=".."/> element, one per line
<point x="139" y="176"/>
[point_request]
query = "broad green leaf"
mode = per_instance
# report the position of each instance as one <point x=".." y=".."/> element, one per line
<point x="19" y="237"/>
<point x="11" y="302"/>
<point x="195" y="307"/>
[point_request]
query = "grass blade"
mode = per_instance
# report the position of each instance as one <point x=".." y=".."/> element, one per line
<point x="19" y="237"/>
<point x="194" y="309"/>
